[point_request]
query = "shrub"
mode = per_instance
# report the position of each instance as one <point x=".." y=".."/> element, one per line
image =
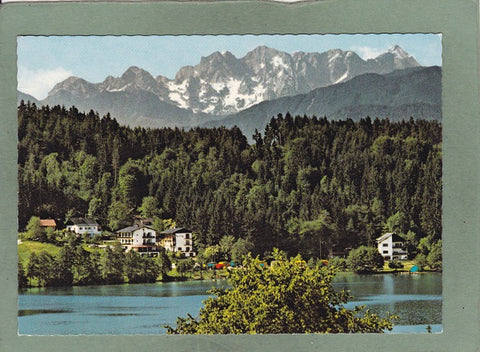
<point x="338" y="263"/>
<point x="34" y="231"/>
<point x="434" y="258"/>
<point x="185" y="265"/>
<point x="395" y="264"/>
<point x="365" y="259"/>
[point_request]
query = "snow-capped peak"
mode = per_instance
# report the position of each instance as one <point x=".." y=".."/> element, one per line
<point x="222" y="84"/>
<point x="398" y="52"/>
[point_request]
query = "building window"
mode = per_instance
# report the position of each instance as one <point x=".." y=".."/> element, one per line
<point x="180" y="249"/>
<point x="187" y="249"/>
<point x="385" y="244"/>
<point x="187" y="236"/>
<point x="385" y="252"/>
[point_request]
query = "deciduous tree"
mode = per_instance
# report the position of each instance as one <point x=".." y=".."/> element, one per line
<point x="365" y="259"/>
<point x="284" y="298"/>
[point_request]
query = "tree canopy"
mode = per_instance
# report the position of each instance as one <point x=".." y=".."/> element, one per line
<point x="287" y="297"/>
<point x="304" y="183"/>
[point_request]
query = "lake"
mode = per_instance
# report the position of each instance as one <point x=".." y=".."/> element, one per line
<point x="146" y="308"/>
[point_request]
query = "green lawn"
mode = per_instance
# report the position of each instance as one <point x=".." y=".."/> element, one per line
<point x="27" y="247"/>
<point x="407" y="265"/>
<point x="92" y="249"/>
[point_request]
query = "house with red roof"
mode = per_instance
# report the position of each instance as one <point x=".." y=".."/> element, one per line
<point x="48" y="223"/>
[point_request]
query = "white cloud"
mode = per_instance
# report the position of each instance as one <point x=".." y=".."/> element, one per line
<point x="39" y="82"/>
<point x="368" y="52"/>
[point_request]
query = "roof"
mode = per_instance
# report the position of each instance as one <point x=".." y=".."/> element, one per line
<point x="129" y="229"/>
<point x="133" y="228"/>
<point x="395" y="237"/>
<point x="175" y="230"/>
<point x="47" y="223"/>
<point x="139" y="220"/>
<point x="83" y="221"/>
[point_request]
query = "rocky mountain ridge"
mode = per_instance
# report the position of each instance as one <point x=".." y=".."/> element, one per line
<point x="414" y="92"/>
<point x="222" y="89"/>
<point x="221" y="84"/>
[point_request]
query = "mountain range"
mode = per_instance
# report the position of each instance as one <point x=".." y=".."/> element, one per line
<point x="414" y="92"/>
<point x="223" y="89"/>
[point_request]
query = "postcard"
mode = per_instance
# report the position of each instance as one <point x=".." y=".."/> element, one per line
<point x="293" y="184"/>
<point x="327" y="148"/>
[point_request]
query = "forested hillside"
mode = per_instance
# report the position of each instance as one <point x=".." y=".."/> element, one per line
<point x="304" y="184"/>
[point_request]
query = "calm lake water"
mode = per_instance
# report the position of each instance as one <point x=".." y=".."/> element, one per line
<point x="146" y="308"/>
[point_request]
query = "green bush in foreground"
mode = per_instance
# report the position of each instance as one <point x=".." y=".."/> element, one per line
<point x="287" y="297"/>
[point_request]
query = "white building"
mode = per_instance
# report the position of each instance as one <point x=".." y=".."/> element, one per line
<point x="178" y="240"/>
<point x="84" y="226"/>
<point x="141" y="239"/>
<point x="391" y="246"/>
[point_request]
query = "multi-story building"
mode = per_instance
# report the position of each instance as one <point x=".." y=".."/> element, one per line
<point x="141" y="239"/>
<point x="391" y="246"/>
<point x="178" y="240"/>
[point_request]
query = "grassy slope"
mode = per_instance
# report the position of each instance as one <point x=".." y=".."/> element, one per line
<point x="27" y="247"/>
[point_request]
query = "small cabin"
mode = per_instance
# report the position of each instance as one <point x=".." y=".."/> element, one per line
<point x="48" y="223"/>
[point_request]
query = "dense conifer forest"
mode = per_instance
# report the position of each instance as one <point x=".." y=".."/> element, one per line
<point x="304" y="185"/>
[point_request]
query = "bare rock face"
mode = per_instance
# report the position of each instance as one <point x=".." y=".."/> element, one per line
<point x="413" y="92"/>
<point x="220" y="84"/>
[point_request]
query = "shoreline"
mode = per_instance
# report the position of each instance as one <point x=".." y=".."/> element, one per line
<point x="222" y="278"/>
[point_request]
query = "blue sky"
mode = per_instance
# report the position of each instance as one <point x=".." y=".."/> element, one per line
<point x="45" y="61"/>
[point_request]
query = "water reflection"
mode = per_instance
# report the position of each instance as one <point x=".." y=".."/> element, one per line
<point x="147" y="308"/>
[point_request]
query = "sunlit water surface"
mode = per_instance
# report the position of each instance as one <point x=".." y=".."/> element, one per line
<point x="147" y="308"/>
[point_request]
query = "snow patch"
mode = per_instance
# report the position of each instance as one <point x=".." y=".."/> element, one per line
<point x="209" y="109"/>
<point x="203" y="91"/>
<point x="341" y="78"/>
<point x="234" y="96"/>
<point x="218" y="86"/>
<point x="259" y="91"/>
<point x="174" y="87"/>
<point x="398" y="52"/>
<point x="309" y="106"/>
<point x="233" y="87"/>
<point x="122" y="89"/>
<point x="333" y="58"/>
<point x="178" y="99"/>
<point x="277" y="61"/>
